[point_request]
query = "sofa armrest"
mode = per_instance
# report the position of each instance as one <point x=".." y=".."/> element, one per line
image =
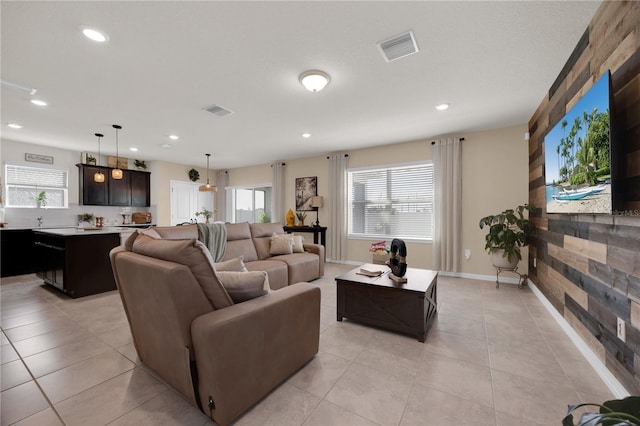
<point x="245" y="350"/>
<point x="319" y="250"/>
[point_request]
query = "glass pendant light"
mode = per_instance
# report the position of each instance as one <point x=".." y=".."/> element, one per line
<point x="98" y="176"/>
<point x="207" y="187"/>
<point x="117" y="172"/>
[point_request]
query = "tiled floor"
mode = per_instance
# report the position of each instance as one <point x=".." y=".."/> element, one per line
<point x="493" y="357"/>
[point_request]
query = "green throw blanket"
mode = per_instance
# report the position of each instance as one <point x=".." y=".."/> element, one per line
<point x="214" y="236"/>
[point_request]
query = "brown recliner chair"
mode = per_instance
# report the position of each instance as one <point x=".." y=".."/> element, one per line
<point x="221" y="356"/>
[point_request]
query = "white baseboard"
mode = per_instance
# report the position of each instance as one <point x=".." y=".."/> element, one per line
<point x="503" y="279"/>
<point x="609" y="379"/>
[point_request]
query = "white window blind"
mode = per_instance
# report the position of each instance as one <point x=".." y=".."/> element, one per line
<point x="25" y="183"/>
<point x="391" y="202"/>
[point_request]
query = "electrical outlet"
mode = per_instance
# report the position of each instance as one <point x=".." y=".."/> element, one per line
<point x="622" y="335"/>
<point x="535" y="262"/>
<point x="467" y="254"/>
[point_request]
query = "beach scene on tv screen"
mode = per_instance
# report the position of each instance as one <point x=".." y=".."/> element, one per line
<point x="577" y="156"/>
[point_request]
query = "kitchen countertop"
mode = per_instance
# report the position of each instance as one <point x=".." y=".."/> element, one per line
<point x="72" y="232"/>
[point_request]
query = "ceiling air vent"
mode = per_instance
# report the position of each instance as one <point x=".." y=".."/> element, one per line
<point x="218" y="110"/>
<point x="399" y="46"/>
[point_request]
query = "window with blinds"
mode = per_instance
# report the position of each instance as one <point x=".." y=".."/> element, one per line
<point x="24" y="184"/>
<point x="391" y="202"/>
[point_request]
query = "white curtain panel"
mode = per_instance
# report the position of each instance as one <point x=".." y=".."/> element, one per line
<point x="279" y="194"/>
<point x="447" y="238"/>
<point x="222" y="181"/>
<point x="337" y="208"/>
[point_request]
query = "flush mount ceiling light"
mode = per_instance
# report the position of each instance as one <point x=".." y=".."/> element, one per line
<point x="94" y="35"/>
<point x="442" y="107"/>
<point x="117" y="172"/>
<point x="14" y="126"/>
<point x="207" y="187"/>
<point x="38" y="102"/>
<point x="314" y="80"/>
<point x="98" y="176"/>
<point x="306" y="135"/>
<point x="174" y="137"/>
<point x="166" y="145"/>
<point x="134" y="149"/>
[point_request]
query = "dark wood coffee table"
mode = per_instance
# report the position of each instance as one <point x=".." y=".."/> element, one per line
<point x="408" y="308"/>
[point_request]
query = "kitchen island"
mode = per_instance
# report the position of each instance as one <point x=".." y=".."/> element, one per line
<point x="76" y="261"/>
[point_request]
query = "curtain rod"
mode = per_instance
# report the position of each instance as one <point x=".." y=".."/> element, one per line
<point x="346" y="155"/>
<point x="434" y="142"/>
<point x="283" y="164"/>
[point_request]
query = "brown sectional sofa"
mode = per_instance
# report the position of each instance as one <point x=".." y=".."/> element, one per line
<point x="252" y="242"/>
<point x="220" y="355"/>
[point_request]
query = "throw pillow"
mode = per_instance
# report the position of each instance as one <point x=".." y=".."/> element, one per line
<point x="243" y="286"/>
<point x="128" y="243"/>
<point x="297" y="244"/>
<point x="236" y="264"/>
<point x="193" y="254"/>
<point x="281" y="244"/>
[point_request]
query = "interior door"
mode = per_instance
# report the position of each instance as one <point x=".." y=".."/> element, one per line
<point x="183" y="201"/>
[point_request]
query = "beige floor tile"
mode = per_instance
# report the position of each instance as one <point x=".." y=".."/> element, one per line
<point x="21" y="401"/>
<point x="514" y="334"/>
<point x="3" y="339"/>
<point x="532" y="400"/>
<point x="7" y="354"/>
<point x="319" y="375"/>
<point x="117" y="337"/>
<point x="472" y="311"/>
<point x="589" y="383"/>
<point x="38" y="328"/>
<point x="21" y="309"/>
<point x="129" y="350"/>
<point x="372" y="394"/>
<point x="538" y="364"/>
<point x="389" y="363"/>
<point x="463" y="379"/>
<point x="427" y="406"/>
<point x="43" y="315"/>
<point x="286" y="405"/>
<point x="167" y="408"/>
<point x="44" y="418"/>
<point x="111" y="399"/>
<point x="324" y="326"/>
<point x="47" y="362"/>
<point x="13" y="373"/>
<point x="328" y="414"/>
<point x="50" y="340"/>
<point x="465" y="327"/>
<point x="506" y="419"/>
<point x="345" y="339"/>
<point x="457" y="347"/>
<point x="79" y="377"/>
<point x="398" y="344"/>
<point x="328" y="314"/>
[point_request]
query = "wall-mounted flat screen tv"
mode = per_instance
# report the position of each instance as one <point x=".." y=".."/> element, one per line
<point x="578" y="155"/>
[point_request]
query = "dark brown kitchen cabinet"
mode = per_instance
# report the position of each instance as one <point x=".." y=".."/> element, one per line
<point x="132" y="190"/>
<point x="17" y="252"/>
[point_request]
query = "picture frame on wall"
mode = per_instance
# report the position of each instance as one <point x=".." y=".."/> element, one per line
<point x="306" y="189"/>
<point x="123" y="163"/>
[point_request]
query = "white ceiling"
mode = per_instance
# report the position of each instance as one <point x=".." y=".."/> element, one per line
<point x="166" y="61"/>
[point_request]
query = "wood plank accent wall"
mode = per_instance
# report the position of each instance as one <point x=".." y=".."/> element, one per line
<point x="588" y="266"/>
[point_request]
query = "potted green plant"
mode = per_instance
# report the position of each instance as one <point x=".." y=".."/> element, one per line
<point x="140" y="164"/>
<point x="508" y="232"/>
<point x="41" y="199"/>
<point x="301" y="217"/>
<point x="623" y="412"/>
<point x="85" y="219"/>
<point x="206" y="213"/>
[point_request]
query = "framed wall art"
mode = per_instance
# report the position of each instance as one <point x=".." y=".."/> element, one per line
<point x="306" y="189"/>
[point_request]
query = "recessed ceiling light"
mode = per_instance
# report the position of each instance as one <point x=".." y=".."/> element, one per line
<point x="174" y="137"/>
<point x="94" y="35"/>
<point x="166" y="145"/>
<point x="442" y="107"/>
<point x="38" y="102"/>
<point x="306" y="135"/>
<point x="15" y="126"/>
<point x="134" y="149"/>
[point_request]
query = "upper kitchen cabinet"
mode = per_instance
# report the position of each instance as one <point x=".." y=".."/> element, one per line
<point x="132" y="190"/>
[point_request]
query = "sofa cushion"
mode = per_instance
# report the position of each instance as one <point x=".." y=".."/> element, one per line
<point x="239" y="242"/>
<point x="128" y="243"/>
<point x="300" y="266"/>
<point x="183" y="232"/>
<point x="261" y="234"/>
<point x="236" y="265"/>
<point x="277" y="271"/>
<point x="243" y="286"/>
<point x="281" y="244"/>
<point x="193" y="254"/>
